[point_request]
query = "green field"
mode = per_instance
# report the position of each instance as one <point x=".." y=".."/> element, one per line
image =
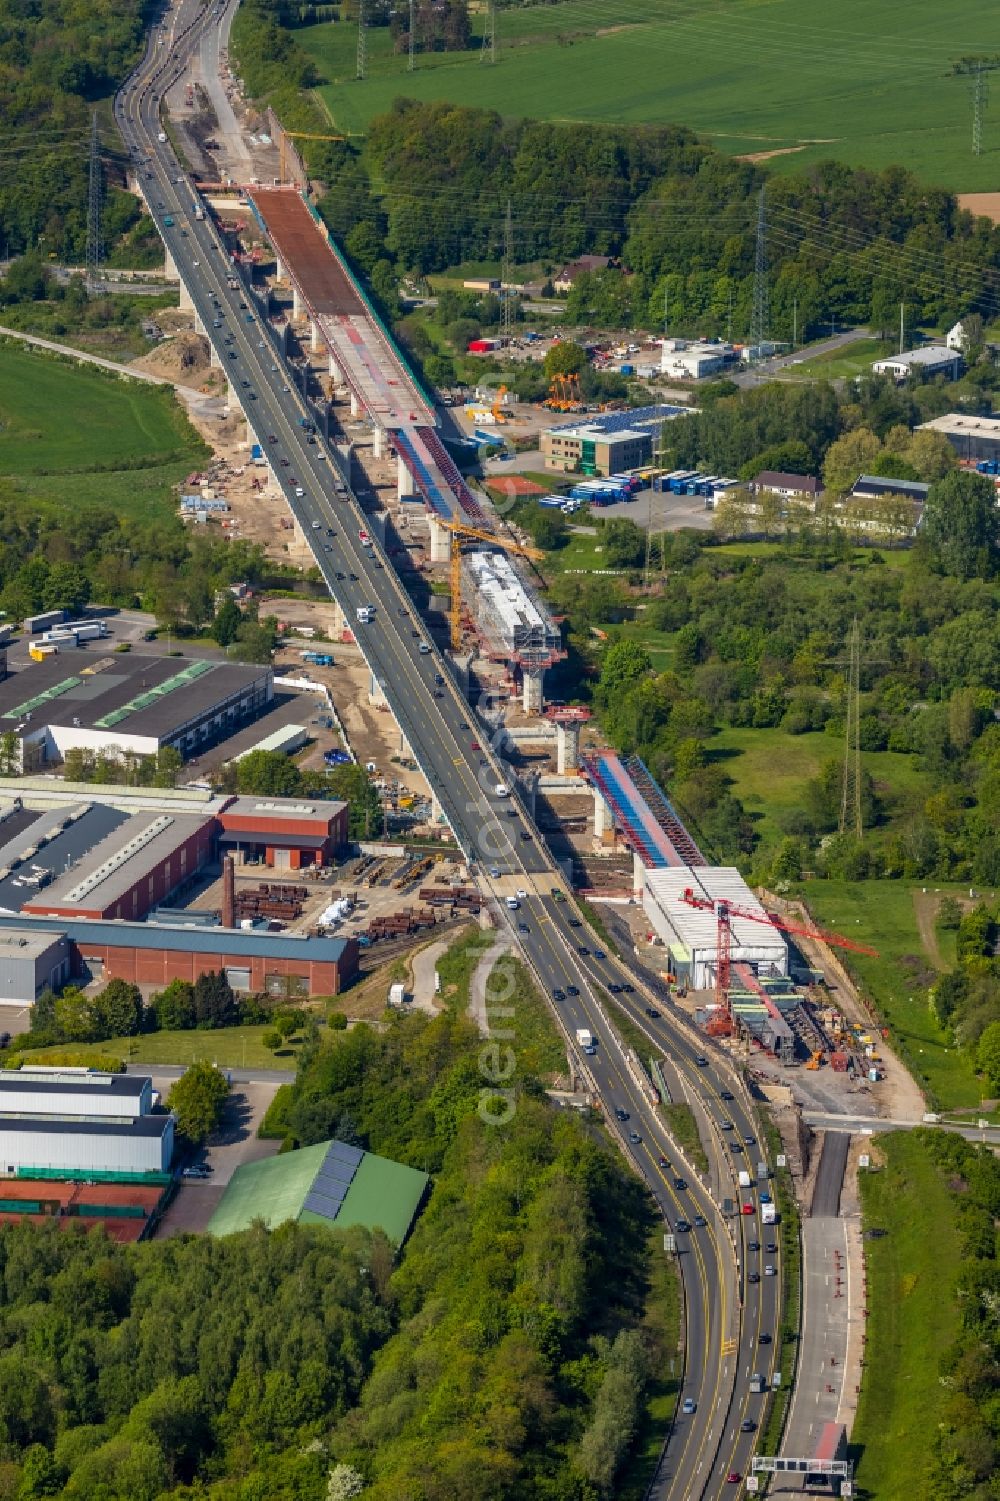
<point x="883" y="914"/>
<point x="229" y="1047"/>
<point x="843" y="364"/>
<point x="866" y="81"/>
<point x="769" y="770"/>
<point x="74" y="435"/>
<point x="912" y="1319"/>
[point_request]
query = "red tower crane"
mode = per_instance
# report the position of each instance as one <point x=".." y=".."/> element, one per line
<point x="725" y="911"/>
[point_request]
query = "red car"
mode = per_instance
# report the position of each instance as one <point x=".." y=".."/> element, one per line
<point x="746" y="1209"/>
<point x="734" y="1477"/>
<point x="476" y="745"/>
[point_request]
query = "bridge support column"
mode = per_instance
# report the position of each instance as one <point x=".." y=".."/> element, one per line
<point x="169" y="268"/>
<point x="376" y="696"/>
<point x="296" y="303"/>
<point x="213" y="356"/>
<point x="315" y="338"/>
<point x="186" y="304"/>
<point x="531" y="691"/>
<point x="355" y="406"/>
<point x="603" y="822"/>
<point x="638" y="875"/>
<point x="440" y="541"/>
<point x="378" y="441"/>
<point x="567" y="748"/>
<point x="437" y="812"/>
<point x="404" y="486"/>
<point x="279" y="270"/>
<point x="336" y="374"/>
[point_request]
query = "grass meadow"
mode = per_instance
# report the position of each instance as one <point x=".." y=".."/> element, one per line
<point x="866" y="81"/>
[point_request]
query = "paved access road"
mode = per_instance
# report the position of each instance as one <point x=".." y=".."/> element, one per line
<point x="493" y="829"/>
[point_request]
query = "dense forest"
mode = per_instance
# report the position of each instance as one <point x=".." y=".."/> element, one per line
<point x="505" y="1354"/>
<point x="58" y="59"/>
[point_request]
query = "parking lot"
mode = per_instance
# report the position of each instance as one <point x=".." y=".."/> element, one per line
<point x="235" y="1142"/>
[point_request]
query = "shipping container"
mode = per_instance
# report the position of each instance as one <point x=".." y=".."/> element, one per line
<point x="33" y="624"/>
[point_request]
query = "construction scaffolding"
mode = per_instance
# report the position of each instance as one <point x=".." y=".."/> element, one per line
<point x="509" y="615"/>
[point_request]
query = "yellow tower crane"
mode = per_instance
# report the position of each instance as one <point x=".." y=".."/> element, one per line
<point x="305" y="135"/>
<point x="459" y="533"/>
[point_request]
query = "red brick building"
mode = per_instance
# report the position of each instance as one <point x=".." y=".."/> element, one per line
<point x="284" y="832"/>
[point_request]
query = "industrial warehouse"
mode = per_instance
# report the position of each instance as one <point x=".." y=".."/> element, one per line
<point x="69" y="1123"/>
<point x="121" y="704"/>
<point x="90" y="890"/>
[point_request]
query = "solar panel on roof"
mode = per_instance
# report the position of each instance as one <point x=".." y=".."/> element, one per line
<point x="335" y="1172"/>
<point x="341" y="1151"/>
<point x="325" y="1204"/>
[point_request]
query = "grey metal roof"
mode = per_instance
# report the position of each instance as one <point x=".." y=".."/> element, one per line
<point x="141" y="1125"/>
<point x="107" y="871"/>
<point x="76" y="686"/>
<point x="13" y="1082"/>
<point x="288" y="809"/>
<point x="63" y="851"/>
<point x="231" y="942"/>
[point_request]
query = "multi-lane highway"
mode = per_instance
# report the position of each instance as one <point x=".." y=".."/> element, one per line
<point x="730" y="1298"/>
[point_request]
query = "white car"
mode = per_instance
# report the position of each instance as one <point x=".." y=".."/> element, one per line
<point x="300" y="492"/>
<point x="769" y="1271"/>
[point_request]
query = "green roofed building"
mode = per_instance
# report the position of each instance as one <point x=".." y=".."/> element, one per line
<point x="328" y="1184"/>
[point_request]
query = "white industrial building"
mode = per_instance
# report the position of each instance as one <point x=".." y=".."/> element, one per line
<point x="931" y="359"/>
<point x="690" y="934"/>
<point x="973" y="438"/>
<point x="694" y="359"/>
<point x="79" y="1122"/>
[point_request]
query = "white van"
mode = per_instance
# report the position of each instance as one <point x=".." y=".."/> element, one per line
<point x="513" y="903"/>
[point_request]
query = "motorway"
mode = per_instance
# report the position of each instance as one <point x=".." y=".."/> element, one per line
<point x="722" y="1304"/>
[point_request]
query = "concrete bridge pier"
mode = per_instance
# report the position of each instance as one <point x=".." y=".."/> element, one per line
<point x="603" y="822"/>
<point x="376" y="696"/>
<point x="440" y="540"/>
<point x="567" y="748"/>
<point x="296" y="303"/>
<point x="531" y="691"/>
<point x="336" y="374"/>
<point x="355" y="406"/>
<point x="378" y="441"/>
<point x="315" y="338"/>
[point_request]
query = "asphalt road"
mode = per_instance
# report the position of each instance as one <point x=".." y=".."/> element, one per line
<point x="721" y="1304"/>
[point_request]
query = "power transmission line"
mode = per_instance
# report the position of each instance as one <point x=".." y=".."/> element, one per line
<point x="506" y="278"/>
<point x="95" y="247"/>
<point x="760" y="316"/>
<point x="362" y="40"/>
<point x="488" y="51"/>
<point x="850" y="791"/>
<point x="980" y="99"/>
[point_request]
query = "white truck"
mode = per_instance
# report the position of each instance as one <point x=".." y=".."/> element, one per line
<point x="502" y="790"/>
<point x="365" y="614"/>
<point x="744" y="1179"/>
<point x="768" y="1214"/>
<point x="585" y="1038"/>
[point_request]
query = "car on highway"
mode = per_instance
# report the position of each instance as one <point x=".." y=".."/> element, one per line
<point x="615" y="989"/>
<point x="701" y="1061"/>
<point x="300" y="493"/>
<point x="749" y="1140"/>
<point x="700" y="1221"/>
<point x="635" y="1138"/>
<point x="628" y="989"/>
<point x="572" y="990"/>
<point x="522" y="927"/>
<point x="663" y="1161"/>
<point x="575" y="922"/>
<point x="769" y="1271"/>
<point x="284" y="463"/>
<point x="736" y="1146"/>
<point x="772" y="1247"/>
<point x="726" y="1126"/>
<point x="688" y="1406"/>
<point x="753" y="1277"/>
<point x="734" y="1477"/>
<point x="559" y="995"/>
<point x="765" y="1198"/>
<point x="583" y="951"/>
<point x="272" y="437"/>
<point x="753" y="1245"/>
<point x="652" y="1013"/>
<point x="620" y="1114"/>
<point x="764" y="1338"/>
<point x="748" y="1426"/>
<point x="680" y="1185"/>
<point x="746" y="1208"/>
<point x="681" y="1226"/>
<point x="600" y="954"/>
<point x="725" y="1094"/>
